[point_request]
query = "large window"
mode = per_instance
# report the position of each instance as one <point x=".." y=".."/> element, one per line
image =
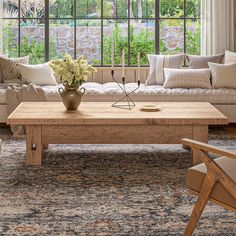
<point x="47" y="29"/>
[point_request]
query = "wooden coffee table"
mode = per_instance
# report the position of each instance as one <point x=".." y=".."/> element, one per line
<point x="99" y="123"/>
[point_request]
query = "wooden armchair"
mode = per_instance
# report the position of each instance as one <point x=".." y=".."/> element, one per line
<point x="213" y="180"/>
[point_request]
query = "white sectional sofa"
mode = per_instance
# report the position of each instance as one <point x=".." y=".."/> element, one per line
<point x="222" y="99"/>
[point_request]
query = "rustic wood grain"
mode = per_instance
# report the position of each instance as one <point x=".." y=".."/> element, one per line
<point x="49" y="113"/>
<point x="100" y="123"/>
<point x="33" y="145"/>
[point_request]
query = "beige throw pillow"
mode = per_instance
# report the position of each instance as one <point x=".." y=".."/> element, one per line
<point x="230" y="57"/>
<point x="223" y="76"/>
<point x="157" y="65"/>
<point x="200" y="62"/>
<point x="1" y="76"/>
<point x="41" y="74"/>
<point x="10" y="71"/>
<point x="187" y="78"/>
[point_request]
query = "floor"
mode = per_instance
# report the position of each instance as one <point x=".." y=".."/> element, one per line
<point x="231" y="129"/>
<point x="104" y="190"/>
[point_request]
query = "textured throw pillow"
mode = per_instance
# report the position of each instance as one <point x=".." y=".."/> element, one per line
<point x="200" y="62"/>
<point x="10" y="71"/>
<point x="223" y="76"/>
<point x="157" y="65"/>
<point x="1" y="76"/>
<point x="187" y="78"/>
<point x="41" y="74"/>
<point x="230" y="57"/>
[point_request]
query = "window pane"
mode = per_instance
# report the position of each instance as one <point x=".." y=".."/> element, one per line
<point x="88" y="40"/>
<point x="142" y="39"/>
<point x="193" y="8"/>
<point x="10" y="37"/>
<point x="31" y="8"/>
<point x="61" y="38"/>
<point x="117" y="32"/>
<point x="172" y="8"/>
<point x="171" y="36"/>
<point x="10" y="9"/>
<point x="193" y="34"/>
<point x="61" y="9"/>
<point x="142" y="9"/>
<point x="115" y="9"/>
<point x="88" y="9"/>
<point x="32" y="40"/>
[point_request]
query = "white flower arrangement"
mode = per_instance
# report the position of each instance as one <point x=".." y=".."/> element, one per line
<point x="72" y="72"/>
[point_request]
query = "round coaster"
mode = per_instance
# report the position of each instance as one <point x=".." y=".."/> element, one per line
<point x="150" y="108"/>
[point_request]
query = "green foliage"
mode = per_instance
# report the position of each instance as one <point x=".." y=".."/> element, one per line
<point x="193" y="43"/>
<point x="168" y="8"/>
<point x="175" y="8"/>
<point x="142" y="42"/>
<point x="10" y="43"/>
<point x="35" y="50"/>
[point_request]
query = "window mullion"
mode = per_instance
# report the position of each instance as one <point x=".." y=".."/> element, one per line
<point x="128" y="32"/>
<point x="185" y="26"/>
<point x="75" y="30"/>
<point x="46" y="16"/>
<point x="101" y="32"/>
<point x="19" y="30"/>
<point x="157" y="26"/>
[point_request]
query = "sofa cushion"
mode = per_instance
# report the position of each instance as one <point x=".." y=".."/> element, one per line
<point x="200" y="62"/>
<point x="157" y="65"/>
<point x="223" y="76"/>
<point x="1" y="76"/>
<point x="230" y="57"/>
<point x="10" y="71"/>
<point x="41" y="74"/>
<point x="187" y="78"/>
<point x="156" y="93"/>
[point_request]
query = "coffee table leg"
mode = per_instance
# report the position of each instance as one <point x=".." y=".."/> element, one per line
<point x="200" y="133"/>
<point x="34" y="145"/>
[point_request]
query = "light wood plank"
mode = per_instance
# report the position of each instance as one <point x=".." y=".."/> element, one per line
<point x="118" y="134"/>
<point x="102" y="113"/>
<point x="209" y="148"/>
<point x="200" y="133"/>
<point x="33" y="145"/>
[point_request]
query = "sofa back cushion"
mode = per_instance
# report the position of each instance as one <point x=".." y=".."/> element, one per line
<point x="41" y="74"/>
<point x="187" y="78"/>
<point x="157" y="65"/>
<point x="223" y="76"/>
<point x="10" y="71"/>
<point x="1" y="76"/>
<point x="230" y="57"/>
<point x="200" y="62"/>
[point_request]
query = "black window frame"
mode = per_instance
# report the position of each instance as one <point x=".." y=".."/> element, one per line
<point x="157" y="19"/>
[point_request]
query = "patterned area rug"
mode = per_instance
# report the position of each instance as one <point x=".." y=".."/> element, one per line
<point x="103" y="190"/>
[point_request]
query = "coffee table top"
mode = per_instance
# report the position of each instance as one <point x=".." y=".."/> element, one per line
<point x="54" y="113"/>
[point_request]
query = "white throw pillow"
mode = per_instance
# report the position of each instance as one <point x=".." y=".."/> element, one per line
<point x="187" y="78"/>
<point x="41" y="74"/>
<point x="223" y="76"/>
<point x="157" y="65"/>
<point x="230" y="57"/>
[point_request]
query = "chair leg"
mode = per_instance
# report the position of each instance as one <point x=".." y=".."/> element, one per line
<point x="203" y="197"/>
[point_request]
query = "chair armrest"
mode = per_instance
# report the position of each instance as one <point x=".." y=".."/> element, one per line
<point x="208" y="148"/>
